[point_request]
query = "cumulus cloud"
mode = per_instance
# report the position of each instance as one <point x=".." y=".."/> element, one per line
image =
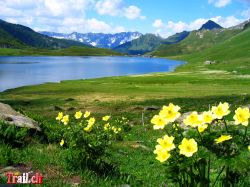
<point x="117" y="8"/>
<point x="62" y="15"/>
<point x="219" y="3"/>
<point x="171" y="27"/>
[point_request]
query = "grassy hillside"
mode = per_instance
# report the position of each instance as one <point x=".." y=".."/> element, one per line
<point x="21" y="34"/>
<point x="144" y="44"/>
<point x="232" y="55"/>
<point x="71" y="51"/>
<point x="195" y="42"/>
<point x="8" y="41"/>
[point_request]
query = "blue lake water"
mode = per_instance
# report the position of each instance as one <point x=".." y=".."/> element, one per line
<point x="22" y="71"/>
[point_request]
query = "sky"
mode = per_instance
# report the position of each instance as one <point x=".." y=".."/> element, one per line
<point x="162" y="17"/>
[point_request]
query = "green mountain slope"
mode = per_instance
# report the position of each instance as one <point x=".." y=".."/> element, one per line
<point x="19" y="34"/>
<point x="232" y="55"/>
<point x="149" y="42"/>
<point x="143" y="44"/>
<point x="8" y="41"/>
<point x="196" y="41"/>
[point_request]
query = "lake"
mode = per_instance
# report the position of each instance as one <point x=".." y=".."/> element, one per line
<point x="22" y="71"/>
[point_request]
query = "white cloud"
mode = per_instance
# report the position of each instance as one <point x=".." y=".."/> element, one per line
<point x="158" y="23"/>
<point x="59" y="15"/>
<point x="219" y="3"/>
<point x="132" y="12"/>
<point x="170" y="27"/>
<point x="117" y="8"/>
<point x="246" y="13"/>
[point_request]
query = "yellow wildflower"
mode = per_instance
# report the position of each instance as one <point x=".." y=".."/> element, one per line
<point x="106" y="126"/>
<point x="162" y="154"/>
<point x="86" y="114"/>
<point x="105" y="118"/>
<point x="88" y="128"/>
<point x="78" y="115"/>
<point x="62" y="142"/>
<point x="202" y="127"/>
<point x="59" y="116"/>
<point x="91" y="121"/>
<point x="159" y="122"/>
<point x="248" y="147"/>
<point x="193" y="120"/>
<point x="166" y="142"/>
<point x="220" y="111"/>
<point x="223" y="138"/>
<point x="170" y="113"/>
<point x="207" y="117"/>
<point x="119" y="129"/>
<point x="65" y="119"/>
<point x="188" y="147"/>
<point x="242" y="116"/>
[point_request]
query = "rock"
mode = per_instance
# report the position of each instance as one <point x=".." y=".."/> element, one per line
<point x="9" y="115"/>
<point x="69" y="99"/>
<point x="151" y="108"/>
<point x="182" y="117"/>
<point x="209" y="62"/>
<point x="57" y="108"/>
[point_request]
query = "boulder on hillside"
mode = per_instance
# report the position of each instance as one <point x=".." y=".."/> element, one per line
<point x="9" y="115"/>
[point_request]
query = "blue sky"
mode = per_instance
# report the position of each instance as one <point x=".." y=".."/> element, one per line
<point x="163" y="17"/>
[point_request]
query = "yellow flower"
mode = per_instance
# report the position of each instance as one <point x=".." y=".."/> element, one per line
<point x="86" y="114"/>
<point x="223" y="138"/>
<point x="166" y="142"/>
<point x="202" y="127"/>
<point x="170" y="113"/>
<point x="119" y="129"/>
<point x="62" y="142"/>
<point x="242" y="116"/>
<point x="162" y="154"/>
<point x="159" y="122"/>
<point x="248" y="147"/>
<point x="88" y="128"/>
<point x="220" y="111"/>
<point x="59" y="116"/>
<point x="188" y="147"/>
<point x="207" y="117"/>
<point x="78" y="115"/>
<point x="91" y="121"/>
<point x="65" y="119"/>
<point x="105" y="118"/>
<point x="106" y="126"/>
<point x="193" y="120"/>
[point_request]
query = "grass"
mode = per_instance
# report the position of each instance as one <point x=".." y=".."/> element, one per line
<point x="71" y="51"/>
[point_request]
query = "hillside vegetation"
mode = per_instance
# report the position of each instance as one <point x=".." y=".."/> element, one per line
<point x="195" y="42"/>
<point x="71" y="51"/>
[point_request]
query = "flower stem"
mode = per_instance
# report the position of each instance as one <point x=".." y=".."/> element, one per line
<point x="218" y="176"/>
<point x="245" y="134"/>
<point x="225" y="123"/>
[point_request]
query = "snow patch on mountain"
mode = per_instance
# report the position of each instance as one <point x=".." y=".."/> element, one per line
<point x="97" y="39"/>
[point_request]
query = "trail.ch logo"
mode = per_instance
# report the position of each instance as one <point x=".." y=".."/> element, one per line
<point x="24" y="178"/>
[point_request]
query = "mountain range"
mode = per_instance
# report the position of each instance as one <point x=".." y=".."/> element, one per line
<point x="187" y="42"/>
<point x="19" y="36"/>
<point x="100" y="40"/>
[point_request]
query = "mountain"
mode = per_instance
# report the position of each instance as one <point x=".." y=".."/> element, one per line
<point x="210" y="25"/>
<point x="142" y="45"/>
<point x="19" y="36"/>
<point x="176" y="37"/>
<point x="231" y="55"/>
<point x="196" y="41"/>
<point x="97" y="39"/>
